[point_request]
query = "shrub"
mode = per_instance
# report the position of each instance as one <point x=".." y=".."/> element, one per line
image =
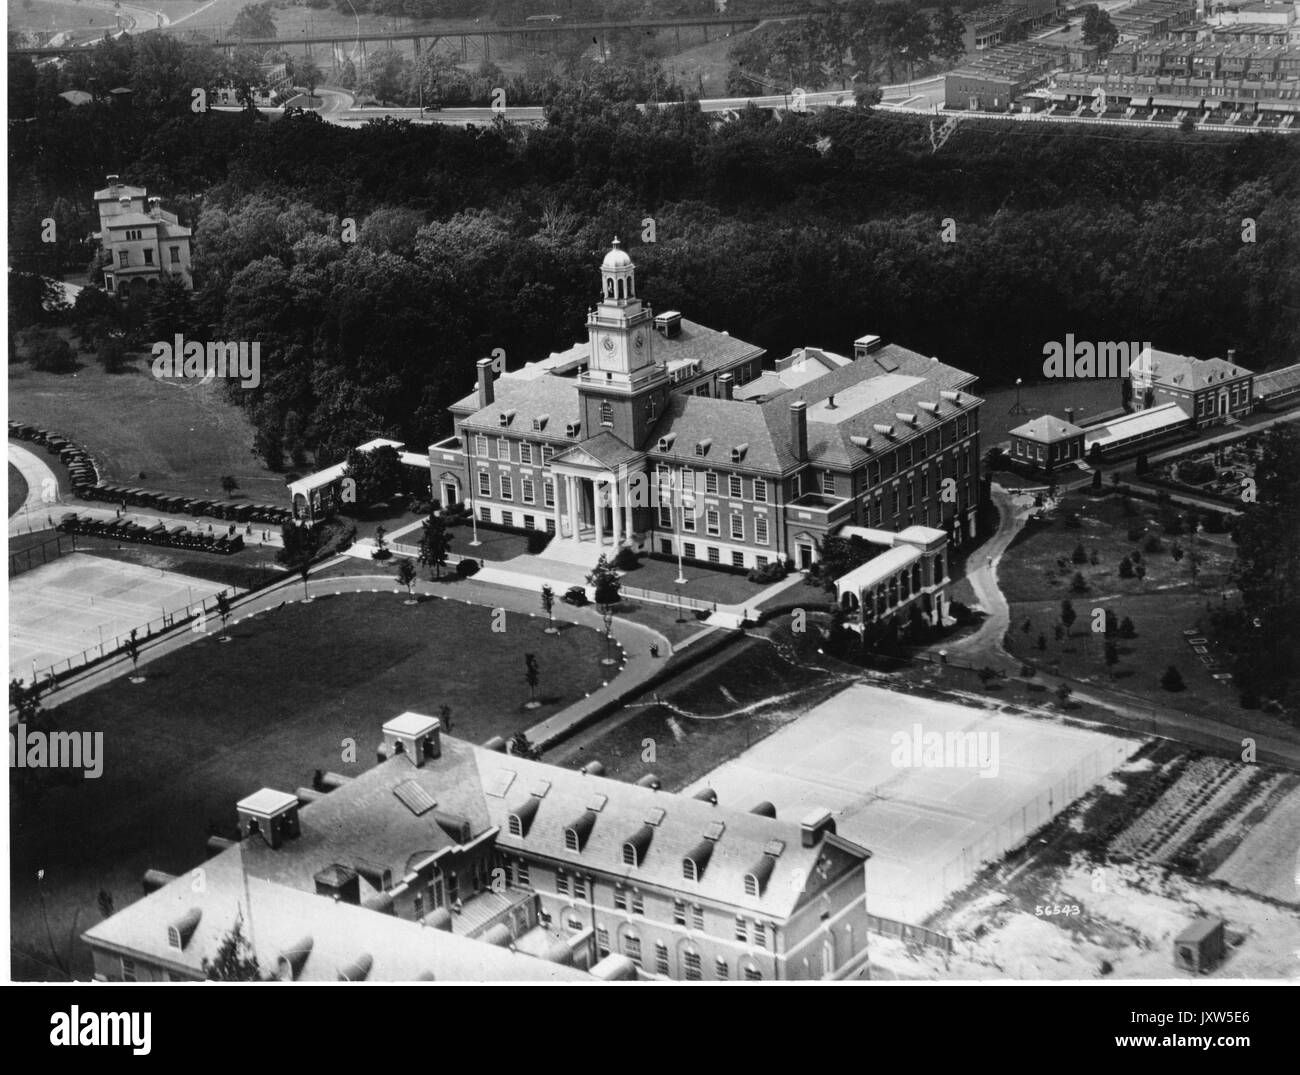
<point x="1172" y="680"/>
<point x="1126" y="628"/>
<point x="1080" y="554"/>
<point x="625" y="560"/>
<point x="961" y="614"/>
<point x="46" y="350"/>
<point x="537" y="540"/>
<point x="1126" y="568"/>
<point x="1154" y="544"/>
<point x="1078" y="584"/>
<point x="772" y="572"/>
<point x="466" y="568"/>
<point x="1196" y="471"/>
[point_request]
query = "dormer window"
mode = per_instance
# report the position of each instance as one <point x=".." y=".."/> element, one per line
<point x="702" y="447"/>
<point x="738" y="453"/>
<point x="539" y="423"/>
<point x="506" y="418"/>
<point x="666" y="441"/>
<point x="571" y="429"/>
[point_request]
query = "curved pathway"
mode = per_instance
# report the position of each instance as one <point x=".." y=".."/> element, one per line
<point x="42" y="485"/>
<point x="984" y="647"/>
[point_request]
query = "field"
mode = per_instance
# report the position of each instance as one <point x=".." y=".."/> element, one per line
<point x="928" y="826"/>
<point x="1088" y="398"/>
<point x="1036" y="575"/>
<point x="299" y="688"/>
<point x="17" y="489"/>
<point x="169" y="436"/>
<point x="63" y="608"/>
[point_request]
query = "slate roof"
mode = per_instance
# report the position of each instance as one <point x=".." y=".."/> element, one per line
<point x="282" y="917"/>
<point x="1183" y="371"/>
<point x="556" y="397"/>
<point x="724" y="424"/>
<point x="1047" y="429"/>
<point x="1286" y="379"/>
<point x="605" y="448"/>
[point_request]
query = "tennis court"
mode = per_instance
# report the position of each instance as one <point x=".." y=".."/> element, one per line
<point x="61" y="609"/>
<point x="929" y="826"/>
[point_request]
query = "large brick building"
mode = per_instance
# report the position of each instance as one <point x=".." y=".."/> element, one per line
<point x="1210" y="391"/>
<point x="636" y="438"/>
<point x="514" y="869"/>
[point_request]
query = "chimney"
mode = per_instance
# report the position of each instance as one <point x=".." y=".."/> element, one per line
<point x="155" y="208"/>
<point x="865" y="345"/>
<point x="799" y="430"/>
<point x="112" y="180"/>
<point x="1069" y="415"/>
<point x="339" y="882"/>
<point x="124" y="201"/>
<point x="270" y="814"/>
<point x="726" y="384"/>
<point x="1232" y="356"/>
<point x="486" y="393"/>
<point x="815" y="825"/>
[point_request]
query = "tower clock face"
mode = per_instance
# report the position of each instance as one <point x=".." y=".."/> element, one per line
<point x="608" y="344"/>
<point x="638" y="341"/>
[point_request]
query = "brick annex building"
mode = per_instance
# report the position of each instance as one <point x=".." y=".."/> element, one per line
<point x="638" y="437"/>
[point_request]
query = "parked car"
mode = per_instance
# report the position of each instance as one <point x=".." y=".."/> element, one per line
<point x="575" y="595"/>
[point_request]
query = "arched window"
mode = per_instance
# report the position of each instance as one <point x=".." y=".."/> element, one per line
<point x="620" y="289"/>
<point x="609" y="286"/>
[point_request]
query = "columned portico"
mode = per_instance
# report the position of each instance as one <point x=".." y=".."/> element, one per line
<point x="596" y="482"/>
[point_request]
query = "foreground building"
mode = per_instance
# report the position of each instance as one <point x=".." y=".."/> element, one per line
<point x="638" y="437"/>
<point x="1209" y="391"/>
<point x="460" y="862"/>
<point x="143" y="243"/>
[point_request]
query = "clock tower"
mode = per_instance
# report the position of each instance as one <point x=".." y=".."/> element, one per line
<point x="622" y="390"/>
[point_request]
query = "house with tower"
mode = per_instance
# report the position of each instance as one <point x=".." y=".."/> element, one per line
<point x="637" y="437"/>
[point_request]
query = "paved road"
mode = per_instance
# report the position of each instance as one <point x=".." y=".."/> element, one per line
<point x="42" y="490"/>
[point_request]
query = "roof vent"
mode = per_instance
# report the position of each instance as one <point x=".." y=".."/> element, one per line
<point x="358" y="970"/>
<point x="950" y="395"/>
<point x="906" y="417"/>
<point x="862" y="442"/>
<point x="929" y="408"/>
<point x="292" y="959"/>
<point x="887" y="430"/>
<point x="520" y="819"/>
<point x="707" y="795"/>
<point x="650" y="781"/>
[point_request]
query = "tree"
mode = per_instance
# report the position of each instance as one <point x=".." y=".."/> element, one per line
<point x="301" y="544"/>
<point x="1078" y="584"/>
<point x="254" y="21"/>
<point x="521" y="747"/>
<point x="223" y="611"/>
<point x="1068" y="616"/>
<point x="1126" y="628"/>
<point x="531" y="677"/>
<point x="376" y="475"/>
<point x="548" y="606"/>
<point x="434" y="544"/>
<point x="949" y="33"/>
<point x="1099" y="30"/>
<point x="229" y="484"/>
<point x="1172" y="680"/>
<point x="131" y="647"/>
<point x="309" y="75"/>
<point x="1063" y="692"/>
<point x="382" y="551"/>
<point x="1110" y="625"/>
<point x="406" y="577"/>
<point x="1141" y="571"/>
<point x="444" y="715"/>
<point x="1080" y="554"/>
<point x="1042" y="643"/>
<point x="1126" y="568"/>
<point x="1096" y="481"/>
<point x="235" y="960"/>
<point x="1111" y="652"/>
<point x="46" y="350"/>
<point x="105" y="903"/>
<point x="605" y="583"/>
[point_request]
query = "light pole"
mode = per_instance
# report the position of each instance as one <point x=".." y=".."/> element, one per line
<point x="681" y="575"/>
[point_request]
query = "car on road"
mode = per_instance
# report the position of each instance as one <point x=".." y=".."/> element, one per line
<point x="575" y="595"/>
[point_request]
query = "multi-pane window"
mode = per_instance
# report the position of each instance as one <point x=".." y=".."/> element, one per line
<point x="688" y="550"/>
<point x="760" y="934"/>
<point x="503" y="448"/>
<point x="697" y="916"/>
<point x="507" y="518"/>
<point x="606" y="413"/>
<point x="484" y="483"/>
<point x="602" y="941"/>
<point x="665" y="517"/>
<point x="128" y="969"/>
<point x="712" y="522"/>
<point x="710" y="482"/>
<point x="122" y="261"/>
<point x="737" y="527"/>
<point x="661" y="957"/>
<point x="148" y="257"/>
<point x="925" y="484"/>
<point x="522" y="876"/>
<point x="828" y="483"/>
<point x="527" y="491"/>
<point x="480" y="444"/>
<point x="715" y="557"/>
<point x="176" y="255"/>
<point x="547" y="452"/>
<point x="737" y="559"/>
<point x="688" y="514"/>
<point x="735" y="487"/>
<point x="760" y="529"/>
<point x="507" y="487"/>
<point x="911" y="492"/>
<point x="548" y="492"/>
<point x="752" y="973"/>
<point x="691" y="965"/>
<point x="620" y="899"/>
<point x="638" y="901"/>
<point x="580" y="888"/>
<point x="880" y="510"/>
<point x="632" y="948"/>
<point x="965" y="460"/>
<point x="963" y="425"/>
<point x="742" y="929"/>
<point x="419" y="905"/>
<point x="679" y="912"/>
<point x="562" y="884"/>
<point x="760" y="491"/>
<point x="526" y="453"/>
<point x="893" y="500"/>
<point x="722" y="969"/>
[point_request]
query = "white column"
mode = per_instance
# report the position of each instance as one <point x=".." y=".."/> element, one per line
<point x="599" y="511"/>
<point x="616" y="513"/>
<point x="628" y="528"/>
<point x="571" y="502"/>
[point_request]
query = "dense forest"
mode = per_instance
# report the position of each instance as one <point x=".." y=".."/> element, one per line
<point x="785" y="230"/>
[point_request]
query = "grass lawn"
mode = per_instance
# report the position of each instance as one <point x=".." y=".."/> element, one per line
<point x="702" y="583"/>
<point x="170" y="436"/>
<point x="711" y="713"/>
<point x="17" y="489"/>
<point x="214" y="722"/>
<point x="252" y="567"/>
<point x="497" y="545"/>
<point x="1162" y="605"/>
